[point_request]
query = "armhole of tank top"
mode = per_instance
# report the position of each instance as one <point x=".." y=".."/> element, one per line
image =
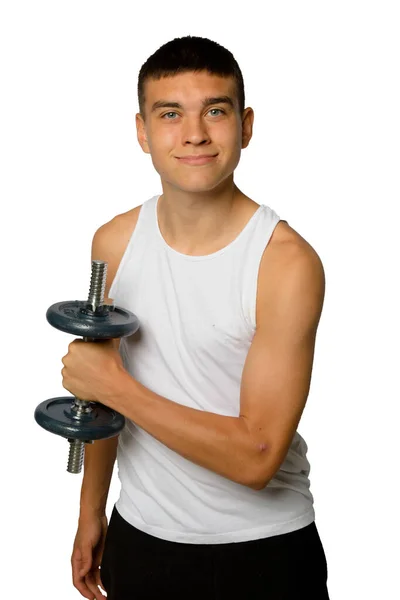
<point x="252" y="325"/>
<point x="127" y="251"/>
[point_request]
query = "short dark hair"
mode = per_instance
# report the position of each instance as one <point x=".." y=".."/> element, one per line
<point x="190" y="53"/>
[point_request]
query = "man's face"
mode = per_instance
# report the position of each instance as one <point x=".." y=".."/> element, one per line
<point x="199" y="116"/>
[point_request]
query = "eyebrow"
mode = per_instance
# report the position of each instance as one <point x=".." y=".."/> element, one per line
<point x="206" y="102"/>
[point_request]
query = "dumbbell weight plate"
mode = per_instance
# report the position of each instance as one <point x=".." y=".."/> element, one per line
<point x="56" y="416"/>
<point x="74" y="317"/>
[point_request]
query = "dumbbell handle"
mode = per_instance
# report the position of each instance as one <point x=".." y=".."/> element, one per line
<point x="95" y="301"/>
<point x="82" y="407"/>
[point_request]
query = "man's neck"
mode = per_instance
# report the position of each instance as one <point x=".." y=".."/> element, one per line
<point x="195" y="221"/>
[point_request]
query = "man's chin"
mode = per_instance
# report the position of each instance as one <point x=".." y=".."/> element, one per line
<point x="192" y="188"/>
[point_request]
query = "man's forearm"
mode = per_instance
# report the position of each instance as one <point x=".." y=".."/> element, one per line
<point x="220" y="443"/>
<point x="98" y="468"/>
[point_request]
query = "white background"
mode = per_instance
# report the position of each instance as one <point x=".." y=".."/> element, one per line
<point x="323" y="80"/>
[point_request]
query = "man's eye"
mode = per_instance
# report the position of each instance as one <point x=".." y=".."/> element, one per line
<point x="169" y="116"/>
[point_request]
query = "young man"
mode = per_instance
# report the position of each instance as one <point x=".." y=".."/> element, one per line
<point x="215" y="499"/>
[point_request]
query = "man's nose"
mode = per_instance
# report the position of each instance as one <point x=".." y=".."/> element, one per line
<point x="195" y="131"/>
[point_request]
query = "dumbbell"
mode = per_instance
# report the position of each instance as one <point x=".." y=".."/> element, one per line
<point x="79" y="421"/>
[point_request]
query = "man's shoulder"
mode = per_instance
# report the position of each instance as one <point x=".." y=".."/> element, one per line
<point x="120" y="225"/>
<point x="288" y="257"/>
<point x="286" y="243"/>
<point x="111" y="239"/>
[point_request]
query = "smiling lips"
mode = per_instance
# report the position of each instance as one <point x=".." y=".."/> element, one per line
<point x="200" y="159"/>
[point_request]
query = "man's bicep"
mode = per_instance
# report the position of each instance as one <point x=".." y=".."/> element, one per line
<point x="102" y="249"/>
<point x="277" y="372"/>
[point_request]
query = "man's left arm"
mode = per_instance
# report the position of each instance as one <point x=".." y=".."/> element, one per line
<point x="247" y="449"/>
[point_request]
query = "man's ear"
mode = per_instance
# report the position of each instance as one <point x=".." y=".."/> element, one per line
<point x="141" y="133"/>
<point x="247" y="126"/>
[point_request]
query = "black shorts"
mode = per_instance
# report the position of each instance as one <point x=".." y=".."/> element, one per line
<point x="137" y="566"/>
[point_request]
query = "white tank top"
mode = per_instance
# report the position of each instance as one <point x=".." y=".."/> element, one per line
<point x="197" y="321"/>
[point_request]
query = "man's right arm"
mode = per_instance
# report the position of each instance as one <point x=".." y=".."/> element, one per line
<point x="100" y="456"/>
<point x="109" y="244"/>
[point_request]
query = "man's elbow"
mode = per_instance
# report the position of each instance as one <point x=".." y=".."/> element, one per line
<point x="256" y="479"/>
<point x="258" y="485"/>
